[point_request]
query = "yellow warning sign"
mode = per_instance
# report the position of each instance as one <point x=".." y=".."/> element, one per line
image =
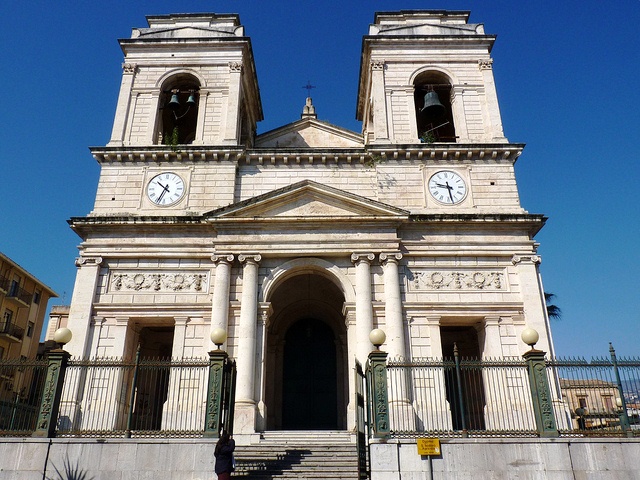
<point x="428" y="446"/>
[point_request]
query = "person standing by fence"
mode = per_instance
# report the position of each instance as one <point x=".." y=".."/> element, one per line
<point x="224" y="456"/>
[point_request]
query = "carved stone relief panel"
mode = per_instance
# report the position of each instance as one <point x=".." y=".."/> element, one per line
<point x="449" y="279"/>
<point x="159" y="282"/>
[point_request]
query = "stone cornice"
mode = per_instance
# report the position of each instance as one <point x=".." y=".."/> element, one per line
<point x="369" y="156"/>
<point x="534" y="222"/>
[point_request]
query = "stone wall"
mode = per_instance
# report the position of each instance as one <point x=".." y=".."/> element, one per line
<point x="192" y="459"/>
<point x="510" y="458"/>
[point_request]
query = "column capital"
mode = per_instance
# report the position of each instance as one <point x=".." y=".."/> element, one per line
<point x="534" y="259"/>
<point x="250" y="258"/>
<point x="96" y="261"/>
<point x="492" y="321"/>
<point x="349" y="312"/>
<point x="393" y="257"/>
<point x="377" y="64"/>
<point x="222" y="258"/>
<point x="181" y="320"/>
<point x="129" y="68"/>
<point x="362" y="257"/>
<point x="236" y="67"/>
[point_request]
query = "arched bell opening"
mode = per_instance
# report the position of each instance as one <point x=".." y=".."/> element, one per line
<point x="178" y="116"/>
<point x="434" y="114"/>
<point x="306" y="375"/>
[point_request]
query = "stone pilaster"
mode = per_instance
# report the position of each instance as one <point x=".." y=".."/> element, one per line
<point x="534" y="306"/>
<point x="231" y="129"/>
<point x="123" y="108"/>
<point x="364" y="307"/>
<point x="380" y="123"/>
<point x="80" y="312"/>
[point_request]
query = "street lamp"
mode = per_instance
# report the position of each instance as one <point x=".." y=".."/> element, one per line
<point x="530" y="337"/>
<point x="218" y="336"/>
<point x="62" y="336"/>
<point x="377" y="337"/>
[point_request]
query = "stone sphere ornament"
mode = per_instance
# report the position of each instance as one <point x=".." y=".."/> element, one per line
<point x="377" y="337"/>
<point x="62" y="336"/>
<point x="218" y="336"/>
<point x="530" y="336"/>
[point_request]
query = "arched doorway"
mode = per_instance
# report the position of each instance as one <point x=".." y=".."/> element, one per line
<point x="306" y="369"/>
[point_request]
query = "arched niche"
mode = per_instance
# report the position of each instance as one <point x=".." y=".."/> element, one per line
<point x="433" y="109"/>
<point x="178" y="110"/>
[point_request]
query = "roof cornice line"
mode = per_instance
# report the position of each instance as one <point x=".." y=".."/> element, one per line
<point x="363" y="155"/>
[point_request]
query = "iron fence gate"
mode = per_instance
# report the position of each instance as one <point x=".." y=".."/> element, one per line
<point x="362" y="422"/>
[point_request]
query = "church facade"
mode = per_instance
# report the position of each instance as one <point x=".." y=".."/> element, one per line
<point x="301" y="240"/>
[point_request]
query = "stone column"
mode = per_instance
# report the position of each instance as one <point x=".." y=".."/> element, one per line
<point x="394" y="325"/>
<point x="220" y="303"/>
<point x="378" y="94"/>
<point x="80" y="312"/>
<point x="245" y="411"/>
<point x="364" y="307"/>
<point x="231" y="136"/>
<point x="123" y="108"/>
<point x="394" y="329"/>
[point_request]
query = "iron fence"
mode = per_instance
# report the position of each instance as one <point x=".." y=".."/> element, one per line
<point x="450" y="397"/>
<point x="464" y="397"/>
<point x="599" y="398"/>
<point x="21" y="386"/>
<point x="145" y="398"/>
<point x="471" y="397"/>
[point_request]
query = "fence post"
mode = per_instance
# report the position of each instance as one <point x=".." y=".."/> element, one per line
<point x="217" y="361"/>
<point x="463" y="413"/>
<point x="379" y="387"/>
<point x="52" y="393"/>
<point x="541" y="394"/>
<point x="624" y="415"/>
<point x="132" y="394"/>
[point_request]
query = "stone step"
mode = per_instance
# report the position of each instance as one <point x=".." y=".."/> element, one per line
<point x="298" y="455"/>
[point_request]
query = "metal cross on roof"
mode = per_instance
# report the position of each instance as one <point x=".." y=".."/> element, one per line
<point x="308" y="86"/>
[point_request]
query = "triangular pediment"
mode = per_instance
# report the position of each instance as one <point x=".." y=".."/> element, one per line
<point x="308" y="200"/>
<point x="309" y="133"/>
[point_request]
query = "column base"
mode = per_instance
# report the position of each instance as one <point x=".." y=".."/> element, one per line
<point x="244" y="418"/>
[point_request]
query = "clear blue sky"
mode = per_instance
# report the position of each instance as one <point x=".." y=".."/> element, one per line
<point x="567" y="75"/>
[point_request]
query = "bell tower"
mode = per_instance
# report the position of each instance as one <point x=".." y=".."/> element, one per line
<point x="425" y="76"/>
<point x="188" y="79"/>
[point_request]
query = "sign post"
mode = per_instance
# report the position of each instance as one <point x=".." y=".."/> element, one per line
<point x="429" y="447"/>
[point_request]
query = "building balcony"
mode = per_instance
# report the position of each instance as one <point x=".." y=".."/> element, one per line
<point x="20" y="294"/>
<point x="4" y="284"/>
<point x="11" y="332"/>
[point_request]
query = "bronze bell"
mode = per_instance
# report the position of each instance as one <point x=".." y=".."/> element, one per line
<point x="174" y="102"/>
<point x="191" y="101"/>
<point x="432" y="106"/>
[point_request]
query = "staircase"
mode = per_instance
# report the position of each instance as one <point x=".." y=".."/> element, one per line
<point x="298" y="455"/>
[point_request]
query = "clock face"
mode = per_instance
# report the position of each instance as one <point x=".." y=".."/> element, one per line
<point x="447" y="187"/>
<point x="165" y="189"/>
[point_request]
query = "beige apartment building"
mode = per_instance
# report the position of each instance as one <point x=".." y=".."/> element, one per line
<point x="23" y="304"/>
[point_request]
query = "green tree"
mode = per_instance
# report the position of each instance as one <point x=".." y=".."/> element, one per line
<point x="553" y="311"/>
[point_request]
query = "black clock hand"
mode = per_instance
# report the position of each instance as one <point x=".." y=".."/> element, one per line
<point x="165" y="189"/>
<point x="450" y="188"/>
